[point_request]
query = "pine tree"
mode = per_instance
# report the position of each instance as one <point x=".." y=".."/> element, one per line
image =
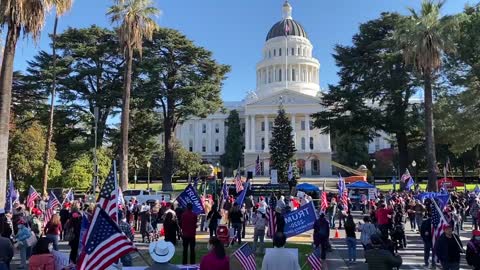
<point x="233" y="143"/>
<point x="282" y="147"/>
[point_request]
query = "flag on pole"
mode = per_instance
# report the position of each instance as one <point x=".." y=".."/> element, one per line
<point x="438" y="223"/>
<point x="53" y="203"/>
<point x="108" y="198"/>
<point x="69" y="197"/>
<point x="324" y="201"/>
<point x="31" y="197"/>
<point x="409" y="184"/>
<point x="476" y="190"/>
<point x="257" y="166"/>
<point x="83" y="232"/>
<point x="241" y="196"/>
<point x="272" y="217"/>
<point x="10" y="195"/>
<point x="105" y="243"/>
<point x="246" y="256"/>
<point x="290" y="172"/>
<point x="406" y="176"/>
<point x="314" y="260"/>
<point x="287" y="28"/>
<point x="238" y="181"/>
<point x="343" y="193"/>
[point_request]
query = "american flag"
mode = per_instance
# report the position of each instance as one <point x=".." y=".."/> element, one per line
<point x="31" y="197"/>
<point x="105" y="243"/>
<point x="246" y="257"/>
<point x="272" y="218"/>
<point x="257" y="166"/>
<point x="406" y="176"/>
<point x="438" y="223"/>
<point x="323" y="200"/>
<point x="290" y="172"/>
<point x="343" y="193"/>
<point x="314" y="260"/>
<point x="69" y="197"/>
<point x="108" y="198"/>
<point x="287" y="28"/>
<point x="53" y="203"/>
<point x="238" y="182"/>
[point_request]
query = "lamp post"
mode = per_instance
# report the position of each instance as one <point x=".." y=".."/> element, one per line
<point x="414" y="164"/>
<point x="135" y="175"/>
<point x="148" y="174"/>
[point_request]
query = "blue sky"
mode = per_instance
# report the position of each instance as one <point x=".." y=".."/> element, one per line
<point x="235" y="31"/>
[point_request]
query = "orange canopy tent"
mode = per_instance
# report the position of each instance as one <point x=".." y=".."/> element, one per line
<point x="449" y="183"/>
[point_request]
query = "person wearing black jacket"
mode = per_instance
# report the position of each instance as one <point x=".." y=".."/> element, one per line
<point x="448" y="248"/>
<point x="213" y="217"/>
<point x="426" y="234"/>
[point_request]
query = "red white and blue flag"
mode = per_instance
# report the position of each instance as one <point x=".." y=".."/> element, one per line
<point x="406" y="176"/>
<point x="53" y="203"/>
<point x="343" y="193"/>
<point x="314" y="260"/>
<point x="246" y="257"/>
<point x="108" y="199"/>
<point x="105" y="243"/>
<point x="238" y="181"/>
<point x="438" y="223"/>
<point x="31" y="197"/>
<point x="272" y="218"/>
<point x="257" y="166"/>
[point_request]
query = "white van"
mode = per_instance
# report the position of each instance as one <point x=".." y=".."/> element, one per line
<point x="146" y="196"/>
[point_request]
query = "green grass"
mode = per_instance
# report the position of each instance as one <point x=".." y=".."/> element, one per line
<point x="157" y="186"/>
<point x="201" y="250"/>
<point x="387" y="187"/>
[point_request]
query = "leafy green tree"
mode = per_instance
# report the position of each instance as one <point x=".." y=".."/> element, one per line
<point x="373" y="93"/>
<point x="282" y="147"/>
<point x="80" y="173"/>
<point x="351" y="149"/>
<point x="233" y="143"/>
<point x="184" y="80"/>
<point x="26" y="156"/>
<point x="424" y="37"/>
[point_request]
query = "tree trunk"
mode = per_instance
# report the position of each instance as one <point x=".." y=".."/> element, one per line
<point x="402" y="144"/>
<point x="46" y="154"/>
<point x="6" y="74"/>
<point x="169" y="127"/>
<point x="429" y="136"/>
<point x="125" y="120"/>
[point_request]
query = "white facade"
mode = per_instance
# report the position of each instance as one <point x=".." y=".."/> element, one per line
<point x="283" y="56"/>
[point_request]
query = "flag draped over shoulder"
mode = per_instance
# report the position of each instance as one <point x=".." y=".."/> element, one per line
<point x="105" y="243"/>
<point x="108" y="198"/>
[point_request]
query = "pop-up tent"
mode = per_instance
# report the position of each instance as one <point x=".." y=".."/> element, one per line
<point x="360" y="185"/>
<point x="307" y="187"/>
<point x="449" y="183"/>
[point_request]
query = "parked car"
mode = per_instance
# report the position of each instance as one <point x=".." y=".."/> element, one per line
<point x="146" y="196"/>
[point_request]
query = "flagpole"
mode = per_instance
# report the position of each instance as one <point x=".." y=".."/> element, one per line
<point x="286" y="54"/>
<point x="10" y="183"/>
<point x="116" y="185"/>
<point x="445" y="220"/>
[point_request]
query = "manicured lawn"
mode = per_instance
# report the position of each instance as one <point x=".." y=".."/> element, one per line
<point x="201" y="250"/>
<point x="387" y="187"/>
<point x="157" y="186"/>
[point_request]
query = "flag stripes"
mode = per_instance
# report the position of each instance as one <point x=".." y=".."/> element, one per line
<point x="246" y="257"/>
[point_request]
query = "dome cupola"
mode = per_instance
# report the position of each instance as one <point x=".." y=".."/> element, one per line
<point x="287" y="26"/>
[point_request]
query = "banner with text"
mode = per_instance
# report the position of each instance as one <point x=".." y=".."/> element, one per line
<point x="189" y="195"/>
<point x="300" y="220"/>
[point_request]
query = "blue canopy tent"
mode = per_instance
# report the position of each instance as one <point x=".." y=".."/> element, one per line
<point x="360" y="185"/>
<point x="306" y="187"/>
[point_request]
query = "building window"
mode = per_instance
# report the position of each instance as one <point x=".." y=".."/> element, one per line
<point x="280" y="52"/>
<point x="190" y="145"/>
<point x="204" y="128"/>
<point x="217" y="128"/>
<point x="303" y="143"/>
<point x="270" y="125"/>
<point x="302" y="125"/>
<point x="274" y="52"/>
<point x="204" y="145"/>
<point x="298" y="51"/>
<point x="293" y="51"/>
<point x="311" y="125"/>
<point x="311" y="143"/>
<point x="293" y="74"/>
<point x="217" y="146"/>
<point x="263" y="143"/>
<point x="280" y="75"/>
<point x="315" y="167"/>
<point x="262" y="127"/>
<point x="191" y="128"/>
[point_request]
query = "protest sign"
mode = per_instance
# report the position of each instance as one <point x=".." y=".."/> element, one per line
<point x="189" y="195"/>
<point x="273" y="177"/>
<point x="372" y="193"/>
<point x="300" y="220"/>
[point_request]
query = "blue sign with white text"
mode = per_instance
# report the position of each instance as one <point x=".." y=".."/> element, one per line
<point x="300" y="220"/>
<point x="189" y="195"/>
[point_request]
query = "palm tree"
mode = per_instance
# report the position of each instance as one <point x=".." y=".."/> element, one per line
<point x="424" y="38"/>
<point x="134" y="18"/>
<point x="17" y="16"/>
<point x="61" y="7"/>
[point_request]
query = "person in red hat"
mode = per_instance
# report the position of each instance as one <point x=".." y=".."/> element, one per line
<point x="473" y="250"/>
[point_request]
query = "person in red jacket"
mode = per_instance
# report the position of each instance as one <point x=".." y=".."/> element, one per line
<point x="42" y="259"/>
<point x="216" y="258"/>
<point x="383" y="219"/>
<point x="189" y="230"/>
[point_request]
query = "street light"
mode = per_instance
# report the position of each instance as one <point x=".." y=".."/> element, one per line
<point x="414" y="164"/>
<point x="148" y="174"/>
<point x="135" y="175"/>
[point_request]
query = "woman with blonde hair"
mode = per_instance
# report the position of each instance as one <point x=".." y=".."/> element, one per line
<point x="53" y="230"/>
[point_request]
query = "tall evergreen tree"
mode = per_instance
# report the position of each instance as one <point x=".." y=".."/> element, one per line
<point x="233" y="144"/>
<point x="282" y="147"/>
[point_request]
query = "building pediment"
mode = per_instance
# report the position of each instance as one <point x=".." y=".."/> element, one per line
<point x="286" y="97"/>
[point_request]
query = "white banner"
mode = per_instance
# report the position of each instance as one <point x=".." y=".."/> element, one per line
<point x="273" y="177"/>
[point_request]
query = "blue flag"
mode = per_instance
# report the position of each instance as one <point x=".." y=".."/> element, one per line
<point x="300" y="220"/>
<point x="10" y="196"/>
<point x="195" y="183"/>
<point x="190" y="195"/>
<point x="476" y="190"/>
<point x="409" y="183"/>
<point x="241" y="197"/>
<point x="442" y="199"/>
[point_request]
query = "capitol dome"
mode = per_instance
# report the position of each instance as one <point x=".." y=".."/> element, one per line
<point x="287" y="26"/>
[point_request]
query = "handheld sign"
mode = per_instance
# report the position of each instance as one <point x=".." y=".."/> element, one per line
<point x="189" y="195"/>
<point x="300" y="220"/>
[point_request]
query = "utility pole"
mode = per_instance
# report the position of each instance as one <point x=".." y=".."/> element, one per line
<point x="148" y="174"/>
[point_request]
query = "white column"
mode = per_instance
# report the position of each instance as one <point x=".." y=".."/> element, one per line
<point x="252" y="133"/>
<point x="247" y="133"/>
<point x="198" y="140"/>
<point x="265" y="120"/>
<point x="209" y="136"/>
<point x="307" y="128"/>
<point x="293" y="131"/>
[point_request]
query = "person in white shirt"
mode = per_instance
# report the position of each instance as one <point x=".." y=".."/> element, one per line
<point x="279" y="258"/>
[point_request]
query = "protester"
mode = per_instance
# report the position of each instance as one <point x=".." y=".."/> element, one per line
<point x="383" y="218"/>
<point x="473" y="250"/>
<point x="72" y="227"/>
<point x="6" y="252"/>
<point x="378" y="258"/>
<point x="448" y="248"/>
<point x="36" y="223"/>
<point x="6" y="227"/>
<point x="426" y="234"/>
<point x="321" y="233"/>
<point x="259" y="220"/>
<point x="42" y="259"/>
<point x="235" y="217"/>
<point x="278" y="258"/>
<point x="280" y="219"/>
<point x="189" y="227"/>
<point x="216" y="258"/>
<point x="64" y="216"/>
<point x="474" y="212"/>
<point x="161" y="253"/>
<point x="332" y="212"/>
<point x="21" y="237"/>
<point x="249" y="203"/>
<point x="171" y="228"/>
<point x="367" y="229"/>
<point x="213" y="218"/>
<point x="127" y="230"/>
<point x="53" y="230"/>
<point x="351" y="238"/>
